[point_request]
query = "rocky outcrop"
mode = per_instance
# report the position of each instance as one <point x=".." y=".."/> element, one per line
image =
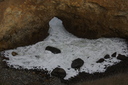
<point x="25" y="22"/>
<point x="95" y="18"/>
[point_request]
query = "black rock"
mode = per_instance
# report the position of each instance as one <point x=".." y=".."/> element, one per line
<point x="122" y="57"/>
<point x="14" y="53"/>
<point x="77" y="63"/>
<point x="58" y="72"/>
<point x="106" y="56"/>
<point x="100" y="60"/>
<point x="114" y="54"/>
<point x="53" y="49"/>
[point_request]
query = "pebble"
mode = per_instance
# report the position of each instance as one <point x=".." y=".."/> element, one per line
<point x="53" y="49"/>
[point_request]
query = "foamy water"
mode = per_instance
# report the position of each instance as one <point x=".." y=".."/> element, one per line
<point x="36" y="57"/>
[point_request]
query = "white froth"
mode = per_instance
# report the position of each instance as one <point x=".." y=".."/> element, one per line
<point x="36" y="57"/>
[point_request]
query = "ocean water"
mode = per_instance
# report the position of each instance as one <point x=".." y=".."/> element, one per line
<point x="36" y="57"/>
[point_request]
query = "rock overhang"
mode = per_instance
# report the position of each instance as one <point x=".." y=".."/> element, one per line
<point x="25" y="22"/>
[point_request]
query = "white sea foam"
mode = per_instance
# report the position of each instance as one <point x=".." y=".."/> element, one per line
<point x="36" y="57"/>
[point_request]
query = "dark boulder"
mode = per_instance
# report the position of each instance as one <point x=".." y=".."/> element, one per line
<point x="122" y="57"/>
<point x="114" y="54"/>
<point x="106" y="56"/>
<point x="53" y="49"/>
<point x="58" y="72"/>
<point x="100" y="60"/>
<point x="77" y="63"/>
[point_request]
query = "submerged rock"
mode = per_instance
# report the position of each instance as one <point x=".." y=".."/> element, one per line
<point x="53" y="49"/>
<point x="58" y="72"/>
<point x="77" y="63"/>
<point x="100" y="60"/>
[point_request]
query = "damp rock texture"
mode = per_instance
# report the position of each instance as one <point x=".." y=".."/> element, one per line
<point x="25" y="22"/>
<point x="95" y="18"/>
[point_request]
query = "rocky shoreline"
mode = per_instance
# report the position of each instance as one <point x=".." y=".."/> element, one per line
<point x="19" y="76"/>
<point x="25" y="22"/>
<point x="10" y="76"/>
<point x="121" y="67"/>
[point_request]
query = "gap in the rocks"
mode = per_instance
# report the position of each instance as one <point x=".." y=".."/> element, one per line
<point x="59" y="40"/>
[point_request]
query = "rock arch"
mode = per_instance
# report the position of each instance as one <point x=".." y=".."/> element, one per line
<point x="25" y="22"/>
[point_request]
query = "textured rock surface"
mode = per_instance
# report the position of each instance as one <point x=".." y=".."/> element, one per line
<point x="25" y="22"/>
<point x="1" y="0"/>
<point x="95" y="18"/>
